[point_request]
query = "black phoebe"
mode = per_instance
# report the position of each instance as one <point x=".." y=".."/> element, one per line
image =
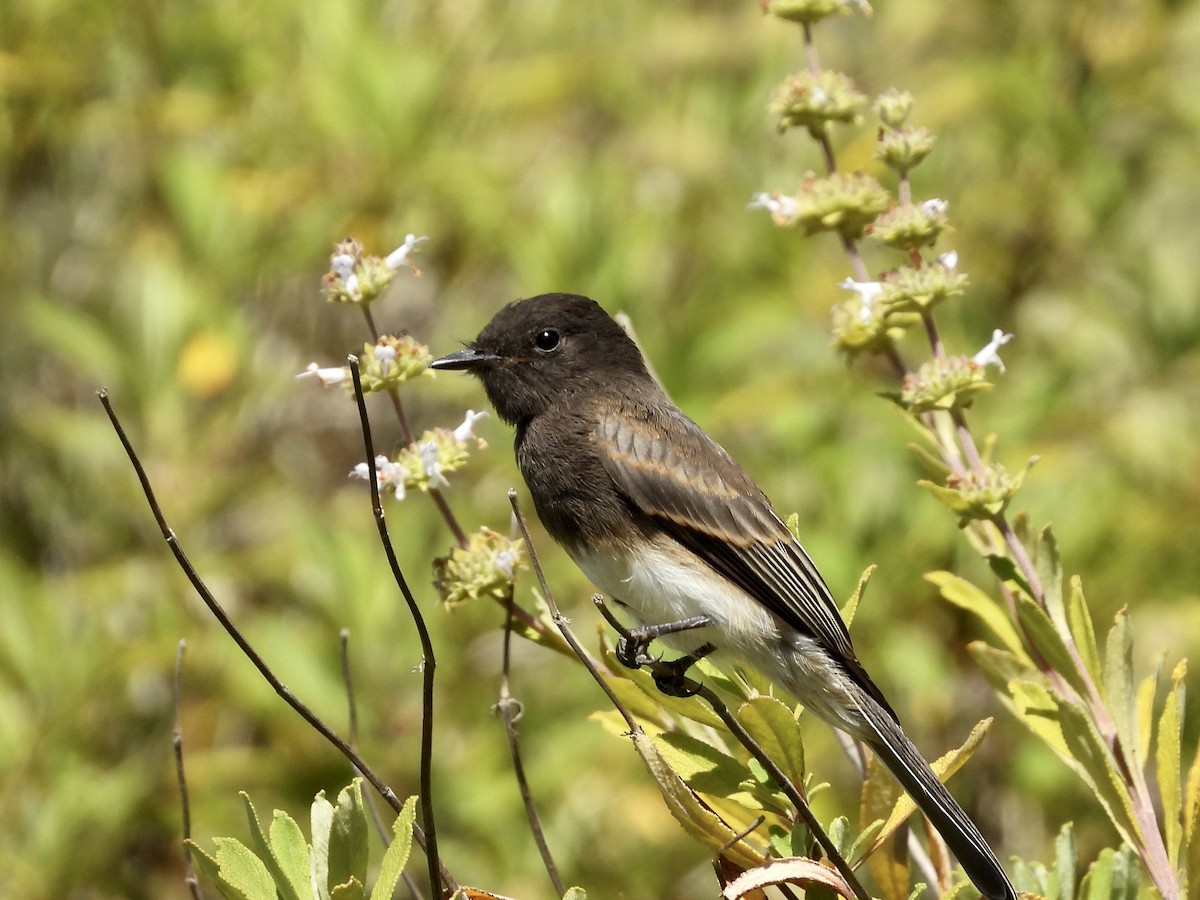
<point x="662" y="519"/>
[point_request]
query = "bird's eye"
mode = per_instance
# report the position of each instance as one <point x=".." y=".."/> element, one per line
<point x="547" y="340"/>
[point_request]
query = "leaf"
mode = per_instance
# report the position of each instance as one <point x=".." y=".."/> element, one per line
<point x="1006" y="571"/>
<point x="1191" y="815"/>
<point x="934" y="466"/>
<point x="1066" y="862"/>
<point x="348" y="838"/>
<point x="1001" y="667"/>
<point x="290" y="853"/>
<point x="1146" y="695"/>
<point x="794" y="870"/>
<point x="349" y="890"/>
<point x="243" y="871"/>
<point x="1038" y="709"/>
<point x="395" y="858"/>
<point x="703" y="767"/>
<point x="1092" y="756"/>
<point x="321" y="817"/>
<point x="212" y="871"/>
<point x="1118" y="680"/>
<point x="1170" y="775"/>
<point x="945" y="766"/>
<point x="284" y="885"/>
<point x="575" y="893"/>
<point x="967" y="596"/>
<point x="699" y="822"/>
<point x="773" y="725"/>
<point x="1079" y="621"/>
<point x="1050" y="574"/>
<point x="1048" y="641"/>
<point x="851" y="607"/>
<point x="636" y="688"/>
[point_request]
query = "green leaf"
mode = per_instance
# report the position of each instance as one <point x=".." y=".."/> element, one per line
<point x="395" y="858"/>
<point x="1079" y="621"/>
<point x="1146" y="695"/>
<point x="705" y="768"/>
<point x="1066" y="862"/>
<point x="285" y="887"/>
<point x="934" y="466"/>
<point x="1006" y="571"/>
<point x="1118" y="681"/>
<point x="349" y="890"/>
<point x="1087" y="748"/>
<point x="212" y="871"/>
<point x="1001" y="667"/>
<point x="697" y="820"/>
<point x="1034" y="705"/>
<point x="1050" y="574"/>
<point x="348" y="838"/>
<point x="1191" y="818"/>
<point x="575" y="893"/>
<point x="243" y="871"/>
<point x="967" y="596"/>
<point x="290" y="855"/>
<point x="1170" y="774"/>
<point x="321" y="825"/>
<point x="773" y="725"/>
<point x="851" y="606"/>
<point x="1048" y="641"/>
<point x="636" y="689"/>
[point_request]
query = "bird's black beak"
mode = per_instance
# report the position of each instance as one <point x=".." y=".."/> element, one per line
<point x="466" y="359"/>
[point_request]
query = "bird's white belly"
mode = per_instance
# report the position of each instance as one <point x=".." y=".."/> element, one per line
<point x="664" y="583"/>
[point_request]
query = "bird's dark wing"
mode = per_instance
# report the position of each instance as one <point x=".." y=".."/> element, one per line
<point x="679" y="476"/>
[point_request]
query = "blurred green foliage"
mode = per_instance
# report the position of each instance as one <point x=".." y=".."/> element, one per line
<point x="172" y="179"/>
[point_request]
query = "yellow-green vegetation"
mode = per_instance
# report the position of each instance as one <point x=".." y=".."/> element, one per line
<point x="173" y="180"/>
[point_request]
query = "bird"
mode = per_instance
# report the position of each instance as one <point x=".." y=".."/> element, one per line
<point x="661" y="518"/>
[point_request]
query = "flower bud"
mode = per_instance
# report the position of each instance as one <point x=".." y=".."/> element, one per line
<point x="945" y="383"/>
<point x="915" y="289"/>
<point x="910" y="226"/>
<point x="893" y="107"/>
<point x="979" y="495"/>
<point x="486" y="567"/>
<point x="903" y="148"/>
<point x="812" y="101"/>
<point x="391" y="361"/>
<point x="841" y="202"/>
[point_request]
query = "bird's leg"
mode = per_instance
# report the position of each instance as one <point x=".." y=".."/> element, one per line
<point x="632" y="650"/>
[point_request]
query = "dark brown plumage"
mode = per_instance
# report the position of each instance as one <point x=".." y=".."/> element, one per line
<point x="659" y="516"/>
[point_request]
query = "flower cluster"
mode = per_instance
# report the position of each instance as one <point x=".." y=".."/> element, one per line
<point x="841" y="202"/>
<point x="910" y="226"/>
<point x="384" y="365"/>
<point x="355" y="277"/>
<point x="814" y="99"/>
<point x="806" y="12"/>
<point x="486" y="567"/>
<point x="424" y="463"/>
<point x="979" y="494"/>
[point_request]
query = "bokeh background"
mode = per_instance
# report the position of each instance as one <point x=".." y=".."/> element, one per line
<point x="172" y="178"/>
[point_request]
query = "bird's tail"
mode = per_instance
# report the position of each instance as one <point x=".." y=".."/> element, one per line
<point x="955" y="826"/>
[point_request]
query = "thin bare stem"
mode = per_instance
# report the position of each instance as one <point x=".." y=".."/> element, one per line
<point x="563" y="623"/>
<point x="189" y="872"/>
<point x="509" y="710"/>
<point x="210" y="600"/>
<point x="428" y="660"/>
<point x="785" y="784"/>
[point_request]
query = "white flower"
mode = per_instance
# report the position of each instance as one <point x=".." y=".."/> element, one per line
<point x="399" y="256"/>
<point x="780" y="206"/>
<point x="387" y="474"/>
<point x="949" y="260"/>
<point x="466" y="431"/>
<point x="385" y="354"/>
<point x="990" y="354"/>
<point x="428" y="452"/>
<point x="935" y="207"/>
<point x="342" y="265"/>
<point x="327" y="377"/>
<point x="505" y="560"/>
<point x="868" y="292"/>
